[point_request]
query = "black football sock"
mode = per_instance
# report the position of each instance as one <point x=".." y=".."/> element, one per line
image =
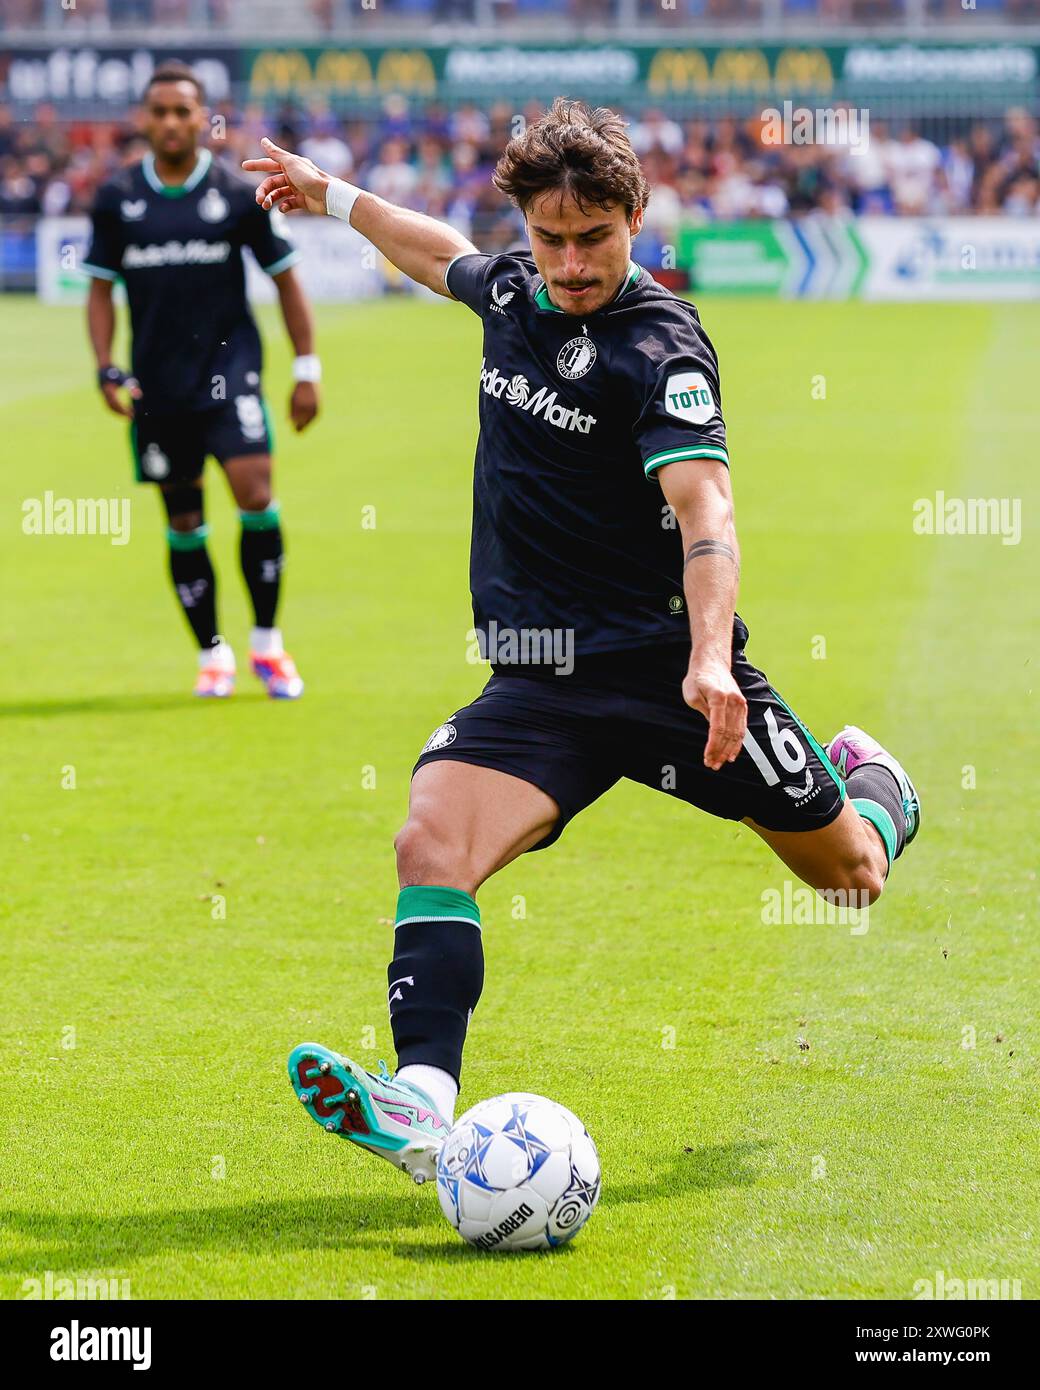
<point x="435" y="977"/>
<point x="194" y="581"/>
<point x="263" y="558"/>
<point x="877" y="797"/>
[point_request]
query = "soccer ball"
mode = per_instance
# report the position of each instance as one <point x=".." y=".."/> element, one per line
<point x="518" y="1172"/>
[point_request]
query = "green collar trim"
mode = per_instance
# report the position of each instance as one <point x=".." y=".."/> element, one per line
<point x="176" y="190"/>
<point x="629" y="280"/>
<point x="542" y="300"/>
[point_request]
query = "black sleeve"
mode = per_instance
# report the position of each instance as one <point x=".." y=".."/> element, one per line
<point x="465" y="278"/>
<point x="267" y="236"/>
<point x="681" y="412"/>
<point x="105" y="255"/>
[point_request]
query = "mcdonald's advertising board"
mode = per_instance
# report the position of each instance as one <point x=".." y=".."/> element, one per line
<point x="612" y="70"/>
<point x="101" y="73"/>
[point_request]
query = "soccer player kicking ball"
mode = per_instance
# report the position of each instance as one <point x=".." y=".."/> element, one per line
<point x="172" y="228"/>
<point x="600" y="429"/>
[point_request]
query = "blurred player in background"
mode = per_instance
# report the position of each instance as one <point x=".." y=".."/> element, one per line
<point x="172" y="227"/>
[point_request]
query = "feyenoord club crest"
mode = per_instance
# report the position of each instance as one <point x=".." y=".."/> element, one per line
<point x="440" y="738"/>
<point x="213" y="207"/>
<point x="576" y="358"/>
<point x="154" y="463"/>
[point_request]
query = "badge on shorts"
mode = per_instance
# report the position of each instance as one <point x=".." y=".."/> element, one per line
<point x="688" y="396"/>
<point x="154" y="463"/>
<point x="803" y="793"/>
<point x="440" y="738"/>
<point x="251" y="418"/>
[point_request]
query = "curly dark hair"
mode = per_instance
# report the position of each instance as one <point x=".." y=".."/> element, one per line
<point x="173" y="70"/>
<point x="576" y="150"/>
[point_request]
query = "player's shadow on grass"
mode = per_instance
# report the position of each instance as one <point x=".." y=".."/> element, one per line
<point x="82" y="1241"/>
<point x="691" y="1170"/>
<point x="118" y="704"/>
<point x="704" y="1169"/>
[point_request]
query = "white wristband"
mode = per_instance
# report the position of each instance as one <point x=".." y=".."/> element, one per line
<point x="340" y="198"/>
<point x="306" y="368"/>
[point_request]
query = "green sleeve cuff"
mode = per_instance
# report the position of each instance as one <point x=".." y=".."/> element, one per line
<point x="99" y="272"/>
<point x="689" y="451"/>
<point x="284" y="264"/>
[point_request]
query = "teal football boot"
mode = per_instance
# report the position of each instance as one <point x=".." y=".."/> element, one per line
<point x="391" y="1118"/>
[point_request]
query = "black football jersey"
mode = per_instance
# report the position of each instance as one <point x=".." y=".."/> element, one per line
<point x="178" y="249"/>
<point x="570" y="530"/>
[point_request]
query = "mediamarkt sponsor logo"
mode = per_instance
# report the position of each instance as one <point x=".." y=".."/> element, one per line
<point x="517" y="391"/>
<point x="196" y="252"/>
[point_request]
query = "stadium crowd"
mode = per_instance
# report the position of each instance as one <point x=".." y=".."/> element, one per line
<point x="96" y="17"/>
<point x="440" y="162"/>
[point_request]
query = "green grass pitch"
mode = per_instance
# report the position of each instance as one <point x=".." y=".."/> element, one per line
<point x="149" y="1131"/>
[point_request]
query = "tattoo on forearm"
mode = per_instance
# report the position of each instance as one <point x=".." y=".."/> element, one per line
<point x="700" y="548"/>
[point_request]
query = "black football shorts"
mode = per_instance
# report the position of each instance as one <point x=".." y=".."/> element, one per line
<point x="174" y="448"/>
<point x="623" y="715"/>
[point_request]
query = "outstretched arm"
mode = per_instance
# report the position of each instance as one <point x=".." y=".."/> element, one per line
<point x="418" y="245"/>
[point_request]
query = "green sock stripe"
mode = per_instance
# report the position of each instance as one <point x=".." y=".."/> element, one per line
<point x="425" y="904"/>
<point x="266" y="520"/>
<point x="188" y="540"/>
<point x="874" y="812"/>
<point x="820" y="753"/>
